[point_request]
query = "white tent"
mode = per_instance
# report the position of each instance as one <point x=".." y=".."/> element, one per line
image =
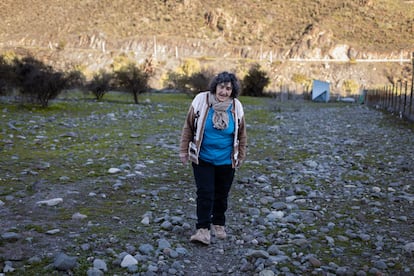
<point x="320" y="91"/>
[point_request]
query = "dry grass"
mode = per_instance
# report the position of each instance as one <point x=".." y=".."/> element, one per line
<point x="370" y="25"/>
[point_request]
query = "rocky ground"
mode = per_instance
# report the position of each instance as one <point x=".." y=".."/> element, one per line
<point x="326" y="190"/>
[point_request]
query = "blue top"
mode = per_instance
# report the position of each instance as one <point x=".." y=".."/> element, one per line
<point x="217" y="145"/>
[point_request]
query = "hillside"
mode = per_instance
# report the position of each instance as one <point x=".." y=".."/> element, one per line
<point x="92" y="33"/>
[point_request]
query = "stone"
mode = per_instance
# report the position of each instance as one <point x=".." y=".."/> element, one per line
<point x="128" y="261"/>
<point x="64" y="262"/>
<point x="114" y="170"/>
<point x="50" y="202"/>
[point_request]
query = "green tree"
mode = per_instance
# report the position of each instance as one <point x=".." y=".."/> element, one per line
<point x="8" y="78"/>
<point x="133" y="79"/>
<point x="5" y="75"/>
<point x="100" y="84"/>
<point x="175" y="80"/>
<point x="37" y="82"/>
<point x="199" y="81"/>
<point x="190" y="84"/>
<point x="75" y="79"/>
<point x="255" y="81"/>
<point x="188" y="77"/>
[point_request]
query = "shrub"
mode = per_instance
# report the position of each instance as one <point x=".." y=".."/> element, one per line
<point x="199" y="81"/>
<point x="38" y="82"/>
<point x="189" y="67"/>
<point x="8" y="78"/>
<point x="350" y="86"/>
<point x="76" y="79"/>
<point x="4" y="78"/>
<point x="174" y="80"/>
<point x="191" y="84"/>
<point x="100" y="84"/>
<point x="255" y="81"/>
<point x="120" y="62"/>
<point x="133" y="79"/>
<point x="304" y="81"/>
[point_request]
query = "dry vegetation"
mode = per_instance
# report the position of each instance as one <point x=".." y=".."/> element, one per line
<point x="92" y="34"/>
<point x="370" y="25"/>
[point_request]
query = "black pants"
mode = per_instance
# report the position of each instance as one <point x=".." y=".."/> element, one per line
<point x="213" y="187"/>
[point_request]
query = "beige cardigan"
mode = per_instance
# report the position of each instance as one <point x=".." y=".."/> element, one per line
<point x="193" y="129"/>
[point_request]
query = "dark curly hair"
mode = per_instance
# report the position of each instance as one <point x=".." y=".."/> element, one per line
<point x="226" y="77"/>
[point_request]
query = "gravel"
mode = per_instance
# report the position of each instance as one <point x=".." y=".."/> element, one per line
<point x="326" y="190"/>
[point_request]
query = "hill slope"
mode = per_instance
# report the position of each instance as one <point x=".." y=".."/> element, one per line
<point x="383" y="25"/>
<point x="61" y="31"/>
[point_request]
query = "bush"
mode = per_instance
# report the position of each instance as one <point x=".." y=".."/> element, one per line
<point x="255" y="81"/>
<point x="100" y="84"/>
<point x="120" y="62"/>
<point x="350" y="87"/>
<point x="188" y="77"/>
<point x="175" y="80"/>
<point x="189" y="67"/>
<point x="4" y="79"/>
<point x="76" y="79"/>
<point x="8" y="63"/>
<point x="133" y="79"/>
<point x="38" y="82"/>
<point x="200" y="81"/>
<point x="302" y="80"/>
<point x="191" y="84"/>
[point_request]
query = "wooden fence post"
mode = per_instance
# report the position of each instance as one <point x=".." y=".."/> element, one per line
<point x="412" y="86"/>
<point x="405" y="97"/>
<point x="400" y="97"/>
<point x="389" y="96"/>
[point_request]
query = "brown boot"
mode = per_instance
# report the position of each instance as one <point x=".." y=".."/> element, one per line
<point x="202" y="235"/>
<point x="219" y="231"/>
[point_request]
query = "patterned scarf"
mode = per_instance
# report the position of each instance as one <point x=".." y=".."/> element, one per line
<point x="220" y="116"/>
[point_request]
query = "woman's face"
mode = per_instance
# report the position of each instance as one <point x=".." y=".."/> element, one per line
<point x="223" y="91"/>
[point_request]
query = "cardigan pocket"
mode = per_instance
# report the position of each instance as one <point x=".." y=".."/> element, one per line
<point x="193" y="152"/>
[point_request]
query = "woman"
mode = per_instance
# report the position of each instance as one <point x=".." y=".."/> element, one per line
<point x="214" y="140"/>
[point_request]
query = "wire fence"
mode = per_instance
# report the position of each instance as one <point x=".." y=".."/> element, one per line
<point x="396" y="98"/>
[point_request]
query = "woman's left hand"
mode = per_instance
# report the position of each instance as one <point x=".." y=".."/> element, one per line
<point x="184" y="159"/>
